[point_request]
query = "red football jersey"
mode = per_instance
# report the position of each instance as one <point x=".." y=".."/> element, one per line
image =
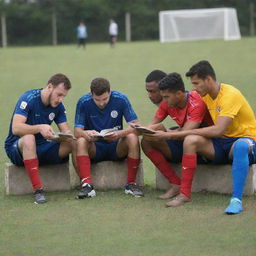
<point x="195" y="111"/>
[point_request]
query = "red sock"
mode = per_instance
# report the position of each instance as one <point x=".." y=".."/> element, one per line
<point x="158" y="159"/>
<point x="32" y="168"/>
<point x="84" y="167"/>
<point x="132" y="165"/>
<point x="189" y="163"/>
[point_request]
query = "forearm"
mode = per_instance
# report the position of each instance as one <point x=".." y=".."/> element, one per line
<point x="79" y="132"/>
<point x="126" y="131"/>
<point x="23" y="129"/>
<point x="155" y="121"/>
<point x="207" y="132"/>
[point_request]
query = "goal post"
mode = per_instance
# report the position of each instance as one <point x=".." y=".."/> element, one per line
<point x="198" y="24"/>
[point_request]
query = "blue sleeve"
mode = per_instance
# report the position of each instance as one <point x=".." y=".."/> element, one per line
<point x="61" y="116"/>
<point x="23" y="106"/>
<point x="129" y="113"/>
<point x="80" y="115"/>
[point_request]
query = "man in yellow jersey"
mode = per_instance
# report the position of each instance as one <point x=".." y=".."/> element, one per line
<point x="230" y="139"/>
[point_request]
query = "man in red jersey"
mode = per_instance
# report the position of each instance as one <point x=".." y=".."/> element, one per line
<point x="189" y="111"/>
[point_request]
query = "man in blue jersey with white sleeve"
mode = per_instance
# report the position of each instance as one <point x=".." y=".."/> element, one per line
<point x="30" y="129"/>
<point x="96" y="111"/>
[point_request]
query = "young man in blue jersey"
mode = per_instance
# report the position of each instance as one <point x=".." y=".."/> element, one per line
<point x="30" y="128"/>
<point x="105" y="109"/>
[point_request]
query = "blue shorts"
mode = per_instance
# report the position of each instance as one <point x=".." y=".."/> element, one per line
<point x="106" y="151"/>
<point x="176" y="148"/>
<point x="222" y="147"/>
<point x="47" y="153"/>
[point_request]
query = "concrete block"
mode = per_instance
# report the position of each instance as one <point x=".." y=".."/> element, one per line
<point x="212" y="178"/>
<point x="53" y="178"/>
<point x="109" y="175"/>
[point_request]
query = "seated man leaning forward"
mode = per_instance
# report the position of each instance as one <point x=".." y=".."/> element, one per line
<point x="27" y="143"/>
<point x="230" y="139"/>
<point x="189" y="111"/>
<point x="96" y="111"/>
<point x="152" y="81"/>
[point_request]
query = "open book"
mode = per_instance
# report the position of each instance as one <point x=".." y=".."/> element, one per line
<point x="142" y="129"/>
<point x="59" y="136"/>
<point x="104" y="133"/>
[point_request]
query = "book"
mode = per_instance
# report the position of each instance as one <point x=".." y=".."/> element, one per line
<point x="142" y="129"/>
<point x="60" y="136"/>
<point x="104" y="133"/>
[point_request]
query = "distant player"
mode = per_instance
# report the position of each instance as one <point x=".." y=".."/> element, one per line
<point x="81" y="35"/>
<point x="113" y="32"/>
<point x="30" y="128"/>
<point x="104" y="109"/>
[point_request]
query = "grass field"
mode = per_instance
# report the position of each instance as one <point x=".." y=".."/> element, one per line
<point x="113" y="224"/>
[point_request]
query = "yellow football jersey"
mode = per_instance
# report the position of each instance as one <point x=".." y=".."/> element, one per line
<point x="230" y="102"/>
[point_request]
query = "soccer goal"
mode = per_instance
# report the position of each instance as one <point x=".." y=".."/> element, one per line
<point x="199" y="24"/>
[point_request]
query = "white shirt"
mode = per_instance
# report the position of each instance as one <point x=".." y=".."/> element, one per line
<point x="113" y="29"/>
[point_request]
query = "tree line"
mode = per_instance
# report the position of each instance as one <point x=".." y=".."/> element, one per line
<point x="42" y="22"/>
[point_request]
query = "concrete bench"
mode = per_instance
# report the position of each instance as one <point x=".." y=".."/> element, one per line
<point x="109" y="175"/>
<point x="212" y="178"/>
<point x="105" y="175"/>
<point x="53" y="177"/>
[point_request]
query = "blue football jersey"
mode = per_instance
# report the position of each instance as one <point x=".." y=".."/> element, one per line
<point x="90" y="117"/>
<point x="30" y="105"/>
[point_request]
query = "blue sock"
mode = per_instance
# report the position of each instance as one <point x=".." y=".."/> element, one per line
<point x="240" y="167"/>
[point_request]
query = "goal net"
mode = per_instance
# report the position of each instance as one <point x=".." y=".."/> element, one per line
<point x="199" y="24"/>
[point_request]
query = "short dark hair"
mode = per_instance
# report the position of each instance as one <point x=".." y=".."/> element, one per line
<point x="59" y="78"/>
<point x="99" y="86"/>
<point x="155" y="75"/>
<point x="172" y="82"/>
<point x="202" y="69"/>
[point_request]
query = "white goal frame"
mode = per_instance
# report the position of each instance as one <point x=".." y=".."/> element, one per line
<point x="223" y="21"/>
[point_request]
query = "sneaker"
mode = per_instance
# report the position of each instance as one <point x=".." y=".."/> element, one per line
<point x="86" y="190"/>
<point x="39" y="197"/>
<point x="172" y="192"/>
<point x="234" y="207"/>
<point x="178" y="201"/>
<point x="133" y="190"/>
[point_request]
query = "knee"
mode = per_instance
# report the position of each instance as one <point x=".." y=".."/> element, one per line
<point x="132" y="140"/>
<point x="145" y="145"/>
<point x="81" y="142"/>
<point x="28" y="140"/>
<point x="192" y="140"/>
<point x="241" y="147"/>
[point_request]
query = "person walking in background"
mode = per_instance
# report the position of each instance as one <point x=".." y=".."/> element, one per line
<point x="113" y="32"/>
<point x="81" y="35"/>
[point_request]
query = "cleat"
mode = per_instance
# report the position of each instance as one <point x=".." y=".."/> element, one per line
<point x="234" y="207"/>
<point x="39" y="197"/>
<point x="178" y="201"/>
<point x="133" y="189"/>
<point x="86" y="190"/>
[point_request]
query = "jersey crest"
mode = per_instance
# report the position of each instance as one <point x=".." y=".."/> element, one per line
<point x="114" y="114"/>
<point x="51" y="116"/>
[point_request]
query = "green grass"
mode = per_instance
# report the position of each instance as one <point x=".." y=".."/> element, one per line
<point x="113" y="224"/>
